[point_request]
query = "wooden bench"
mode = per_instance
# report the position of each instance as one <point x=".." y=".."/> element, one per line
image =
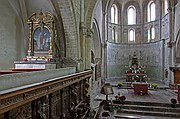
<point x="127" y="116"/>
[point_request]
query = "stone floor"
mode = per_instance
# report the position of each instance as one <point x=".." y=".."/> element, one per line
<point x="161" y="95"/>
<point x="157" y="95"/>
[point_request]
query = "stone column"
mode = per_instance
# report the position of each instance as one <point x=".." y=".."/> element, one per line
<point x="81" y="66"/>
<point x="103" y="46"/>
<point x="81" y="62"/>
<point x="88" y="41"/>
<point x="171" y="38"/>
<point x="163" y="58"/>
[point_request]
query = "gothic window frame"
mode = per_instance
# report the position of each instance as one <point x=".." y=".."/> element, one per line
<point x="132" y="30"/>
<point x="151" y="12"/>
<point x="151" y="34"/>
<point x="131" y="18"/>
<point x="114" y="14"/>
<point x="114" y="34"/>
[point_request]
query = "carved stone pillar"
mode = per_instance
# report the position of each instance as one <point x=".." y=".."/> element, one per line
<point x="103" y="45"/>
<point x="171" y="36"/>
<point x="88" y="41"/>
<point x="82" y="47"/>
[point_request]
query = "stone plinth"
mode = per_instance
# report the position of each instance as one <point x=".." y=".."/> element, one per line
<point x="21" y="79"/>
<point x="140" y="87"/>
<point x="34" y="65"/>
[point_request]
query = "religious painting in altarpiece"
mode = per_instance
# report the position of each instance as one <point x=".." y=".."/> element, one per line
<point x="42" y="35"/>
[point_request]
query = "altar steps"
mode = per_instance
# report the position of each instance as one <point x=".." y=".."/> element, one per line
<point x="150" y="109"/>
<point x="128" y="85"/>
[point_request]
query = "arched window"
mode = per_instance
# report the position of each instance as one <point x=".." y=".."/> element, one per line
<point x="131" y="35"/>
<point x="151" y="11"/>
<point x="151" y="34"/>
<point x="165" y="6"/>
<point x="114" y="35"/>
<point x="114" y="14"/>
<point x="131" y="15"/>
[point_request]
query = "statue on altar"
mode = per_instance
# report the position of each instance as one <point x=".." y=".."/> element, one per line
<point x="135" y="72"/>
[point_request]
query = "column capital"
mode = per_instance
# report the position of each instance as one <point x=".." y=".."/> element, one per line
<point x="89" y="32"/>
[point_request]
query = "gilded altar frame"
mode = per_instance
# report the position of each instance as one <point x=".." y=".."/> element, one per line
<point x="44" y="24"/>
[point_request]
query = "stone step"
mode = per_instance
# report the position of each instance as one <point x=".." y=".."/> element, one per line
<point x="127" y="117"/>
<point x="149" y="113"/>
<point x="150" y="108"/>
<point x="166" y="105"/>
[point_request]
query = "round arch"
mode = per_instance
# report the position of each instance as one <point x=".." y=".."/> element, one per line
<point x="96" y="45"/>
<point x="158" y="7"/>
<point x="138" y="11"/>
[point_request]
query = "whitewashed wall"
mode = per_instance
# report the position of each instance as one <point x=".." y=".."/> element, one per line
<point x="149" y="55"/>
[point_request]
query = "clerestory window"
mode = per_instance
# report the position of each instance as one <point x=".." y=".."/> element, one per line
<point x="151" y="11"/>
<point x="131" y="15"/>
<point x="165" y="6"/>
<point x="114" y="14"/>
<point x="151" y="34"/>
<point x="131" y="35"/>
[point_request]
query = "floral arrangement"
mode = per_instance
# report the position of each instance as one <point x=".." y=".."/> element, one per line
<point x="154" y="85"/>
<point x="119" y="84"/>
<point x="119" y="98"/>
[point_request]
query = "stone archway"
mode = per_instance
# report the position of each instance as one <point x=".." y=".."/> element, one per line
<point x="70" y="28"/>
<point x="89" y="13"/>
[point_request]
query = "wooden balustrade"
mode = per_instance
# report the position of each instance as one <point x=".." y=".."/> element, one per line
<point x="52" y="98"/>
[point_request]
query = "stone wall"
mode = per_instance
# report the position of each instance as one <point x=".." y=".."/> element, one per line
<point x="165" y="27"/>
<point x="149" y="55"/>
<point x="10" y="36"/>
<point x="177" y="31"/>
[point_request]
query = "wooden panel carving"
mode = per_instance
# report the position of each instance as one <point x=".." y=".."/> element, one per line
<point x="23" y="112"/>
<point x="177" y="77"/>
<point x="48" y="99"/>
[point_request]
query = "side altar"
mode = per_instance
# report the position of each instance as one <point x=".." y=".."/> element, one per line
<point x="42" y="43"/>
<point x="135" y="72"/>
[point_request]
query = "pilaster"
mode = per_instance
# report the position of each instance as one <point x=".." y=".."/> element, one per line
<point x="171" y="38"/>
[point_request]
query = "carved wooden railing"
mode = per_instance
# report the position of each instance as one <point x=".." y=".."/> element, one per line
<point x="20" y="96"/>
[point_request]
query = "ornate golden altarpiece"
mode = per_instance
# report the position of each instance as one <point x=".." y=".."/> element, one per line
<point x="42" y="41"/>
<point x="135" y="71"/>
<point x="42" y="35"/>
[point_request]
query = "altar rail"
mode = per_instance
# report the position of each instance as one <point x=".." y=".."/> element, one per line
<point x="51" y="98"/>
